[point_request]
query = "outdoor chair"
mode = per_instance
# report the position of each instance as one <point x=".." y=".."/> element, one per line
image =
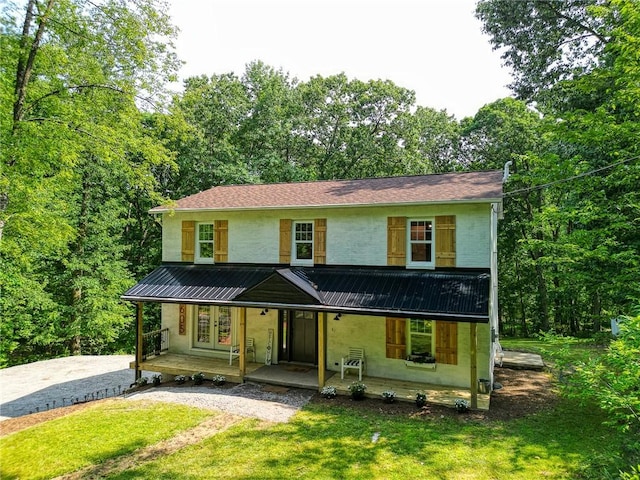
<point x="354" y="360"/>
<point x="249" y="348"/>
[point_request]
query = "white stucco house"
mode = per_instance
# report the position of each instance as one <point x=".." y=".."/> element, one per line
<point x="403" y="269"/>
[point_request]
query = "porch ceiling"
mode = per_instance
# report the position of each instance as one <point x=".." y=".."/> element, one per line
<point x="445" y="295"/>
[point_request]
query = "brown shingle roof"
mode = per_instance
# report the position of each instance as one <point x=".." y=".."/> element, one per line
<point x="447" y="187"/>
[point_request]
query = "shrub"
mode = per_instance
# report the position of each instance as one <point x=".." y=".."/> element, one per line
<point x="461" y="405"/>
<point x="357" y="390"/>
<point x="421" y="399"/>
<point x="142" y="381"/>
<point x="389" y="396"/>
<point x="219" y="380"/>
<point x="156" y="379"/>
<point x="180" y="379"/>
<point x="328" y="392"/>
<point x="198" y="378"/>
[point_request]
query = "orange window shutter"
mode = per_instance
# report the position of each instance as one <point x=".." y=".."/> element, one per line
<point x="320" y="241"/>
<point x="446" y="241"/>
<point x="285" y="240"/>
<point x="396" y="338"/>
<point x="188" y="240"/>
<point x="221" y="240"/>
<point x="447" y="342"/>
<point x="397" y="241"/>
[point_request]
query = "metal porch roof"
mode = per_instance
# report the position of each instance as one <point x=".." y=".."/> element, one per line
<point x="445" y="295"/>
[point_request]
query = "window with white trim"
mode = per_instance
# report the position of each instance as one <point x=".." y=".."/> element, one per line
<point x="302" y="243"/>
<point x="420" y="240"/>
<point x="204" y="243"/>
<point x="420" y="339"/>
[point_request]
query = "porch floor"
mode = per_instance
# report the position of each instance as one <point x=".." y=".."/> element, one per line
<point x="306" y="377"/>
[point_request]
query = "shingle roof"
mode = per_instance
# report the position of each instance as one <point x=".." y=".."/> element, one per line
<point x="446" y="295"/>
<point x="447" y="187"/>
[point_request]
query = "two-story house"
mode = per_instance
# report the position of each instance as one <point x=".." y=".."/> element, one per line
<point x="403" y="269"/>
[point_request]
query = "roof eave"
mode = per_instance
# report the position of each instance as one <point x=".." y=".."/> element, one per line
<point x="326" y="205"/>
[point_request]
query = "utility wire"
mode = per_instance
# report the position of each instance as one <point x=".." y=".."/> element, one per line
<point x="568" y="179"/>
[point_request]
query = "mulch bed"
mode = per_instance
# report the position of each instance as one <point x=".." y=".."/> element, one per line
<point x="523" y="392"/>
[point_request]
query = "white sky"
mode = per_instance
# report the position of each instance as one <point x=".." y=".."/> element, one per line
<point x="434" y="47"/>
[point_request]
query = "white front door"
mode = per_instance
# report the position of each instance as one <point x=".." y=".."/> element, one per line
<point x="213" y="327"/>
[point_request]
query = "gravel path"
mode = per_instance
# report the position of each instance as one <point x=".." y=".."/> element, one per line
<point x="48" y="384"/>
<point x="247" y="399"/>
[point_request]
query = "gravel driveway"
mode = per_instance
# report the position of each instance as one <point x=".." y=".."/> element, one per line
<point x="58" y="382"/>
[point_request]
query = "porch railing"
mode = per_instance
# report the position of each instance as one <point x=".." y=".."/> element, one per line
<point x="154" y="343"/>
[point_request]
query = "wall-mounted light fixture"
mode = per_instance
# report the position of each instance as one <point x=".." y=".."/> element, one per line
<point x="264" y="311"/>
<point x="337" y="317"/>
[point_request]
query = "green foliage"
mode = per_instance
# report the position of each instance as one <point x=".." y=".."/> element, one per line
<point x="610" y="379"/>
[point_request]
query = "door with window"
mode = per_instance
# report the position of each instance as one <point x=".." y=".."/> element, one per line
<point x="298" y="341"/>
<point x="213" y="327"/>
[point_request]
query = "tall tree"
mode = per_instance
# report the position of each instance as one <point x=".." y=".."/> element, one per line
<point x="75" y="74"/>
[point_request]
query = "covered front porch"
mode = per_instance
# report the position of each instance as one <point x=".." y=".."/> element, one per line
<point x="301" y="376"/>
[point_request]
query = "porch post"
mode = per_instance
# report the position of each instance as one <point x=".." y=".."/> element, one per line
<point x="243" y="342"/>
<point x="139" y="337"/>
<point x="322" y="362"/>
<point x="473" y="340"/>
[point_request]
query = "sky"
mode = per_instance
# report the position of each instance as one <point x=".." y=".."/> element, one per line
<point x="434" y="47"/>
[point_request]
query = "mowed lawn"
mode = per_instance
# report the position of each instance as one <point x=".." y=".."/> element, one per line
<point x="322" y="441"/>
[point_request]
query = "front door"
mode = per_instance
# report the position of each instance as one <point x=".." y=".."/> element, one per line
<point x="298" y="337"/>
<point x="213" y="327"/>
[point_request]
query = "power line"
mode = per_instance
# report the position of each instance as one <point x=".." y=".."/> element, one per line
<point x="568" y="179"/>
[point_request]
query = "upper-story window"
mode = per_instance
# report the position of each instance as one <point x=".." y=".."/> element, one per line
<point x="204" y="243"/>
<point x="303" y="242"/>
<point x="421" y="242"/>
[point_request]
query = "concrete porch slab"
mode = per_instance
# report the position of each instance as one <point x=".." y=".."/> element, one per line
<point x="522" y="361"/>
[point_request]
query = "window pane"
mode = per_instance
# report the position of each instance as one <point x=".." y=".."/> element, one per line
<point x="420" y="252"/>
<point x="224" y="326"/>
<point x="303" y="251"/>
<point x="206" y="250"/>
<point x="205" y="231"/>
<point x="420" y="344"/>
<point x="204" y="324"/>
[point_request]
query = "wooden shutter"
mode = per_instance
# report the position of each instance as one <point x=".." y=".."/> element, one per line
<point x="221" y="240"/>
<point x="446" y="241"/>
<point x="188" y="240"/>
<point x="320" y="241"/>
<point x="397" y="241"/>
<point x="447" y="342"/>
<point x="285" y="240"/>
<point x="396" y="338"/>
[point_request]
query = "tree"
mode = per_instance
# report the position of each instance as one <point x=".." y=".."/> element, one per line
<point x="74" y="77"/>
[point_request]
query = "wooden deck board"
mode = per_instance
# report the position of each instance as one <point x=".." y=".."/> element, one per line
<point x="175" y="364"/>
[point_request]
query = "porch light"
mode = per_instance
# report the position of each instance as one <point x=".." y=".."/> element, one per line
<point x="264" y="311"/>
<point x="337" y="317"/>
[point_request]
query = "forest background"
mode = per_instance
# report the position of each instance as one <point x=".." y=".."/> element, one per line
<point x="90" y="140"/>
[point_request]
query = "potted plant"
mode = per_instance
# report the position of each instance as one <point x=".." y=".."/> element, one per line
<point x="142" y="381"/>
<point x="357" y="390"/>
<point x="389" y="396"/>
<point x="421" y="399"/>
<point x="461" y="405"/>
<point x="219" y="380"/>
<point x="197" y="378"/>
<point x="180" y="379"/>
<point x="156" y="379"/>
<point x="328" y="392"/>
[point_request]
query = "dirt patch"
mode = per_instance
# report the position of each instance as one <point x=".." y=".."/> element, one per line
<point x="523" y="392"/>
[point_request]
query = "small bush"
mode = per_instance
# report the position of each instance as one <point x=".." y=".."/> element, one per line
<point x="156" y="379"/>
<point x="180" y="379"/>
<point x="198" y="378"/>
<point x="142" y="381"/>
<point x="328" y="392"/>
<point x="421" y="399"/>
<point x="219" y="380"/>
<point x="461" y="405"/>
<point x="357" y="390"/>
<point x="389" y="396"/>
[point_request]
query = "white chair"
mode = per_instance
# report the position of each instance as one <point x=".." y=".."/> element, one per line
<point x="249" y="348"/>
<point x="354" y="360"/>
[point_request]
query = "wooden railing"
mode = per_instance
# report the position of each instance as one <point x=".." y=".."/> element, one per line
<point x="154" y="343"/>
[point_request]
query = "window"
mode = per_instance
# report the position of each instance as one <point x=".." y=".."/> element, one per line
<point x="420" y="339"/>
<point x="303" y="242"/>
<point x="204" y="243"/>
<point x="421" y="242"/>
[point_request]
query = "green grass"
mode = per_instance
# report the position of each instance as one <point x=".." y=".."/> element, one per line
<point x="91" y="436"/>
<point x="327" y="443"/>
<point x="577" y="348"/>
